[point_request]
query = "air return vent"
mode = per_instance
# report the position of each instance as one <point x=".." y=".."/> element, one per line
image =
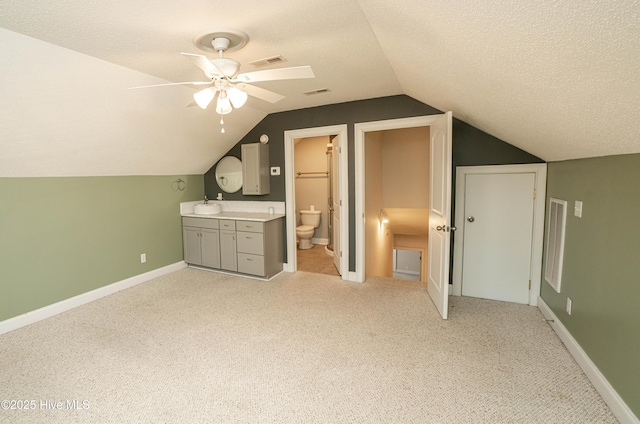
<point x="268" y="61"/>
<point x="316" y="91"/>
<point x="555" y="242"/>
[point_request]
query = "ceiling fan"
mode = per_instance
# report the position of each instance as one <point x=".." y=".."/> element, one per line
<point x="223" y="77"/>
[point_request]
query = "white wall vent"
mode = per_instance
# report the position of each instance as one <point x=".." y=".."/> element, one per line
<point x="555" y="242"/>
<point x="268" y="61"/>
<point x="316" y="91"/>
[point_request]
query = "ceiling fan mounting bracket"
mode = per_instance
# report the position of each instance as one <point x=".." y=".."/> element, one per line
<point x="221" y="39"/>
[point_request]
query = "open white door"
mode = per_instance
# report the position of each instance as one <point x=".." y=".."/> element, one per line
<point x="440" y="213"/>
<point x="335" y="202"/>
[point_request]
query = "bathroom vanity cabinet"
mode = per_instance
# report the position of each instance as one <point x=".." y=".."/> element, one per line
<point x="255" y="169"/>
<point x="252" y="247"/>
<point x="201" y="239"/>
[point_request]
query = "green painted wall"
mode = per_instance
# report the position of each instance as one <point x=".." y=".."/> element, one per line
<point x="601" y="272"/>
<point x="60" y="237"/>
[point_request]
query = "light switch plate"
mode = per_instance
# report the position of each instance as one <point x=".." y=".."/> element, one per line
<point x="577" y="209"/>
<point x="275" y="170"/>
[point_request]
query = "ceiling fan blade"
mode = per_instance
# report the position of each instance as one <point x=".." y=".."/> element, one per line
<point x="260" y="93"/>
<point x="209" y="69"/>
<point x="196" y="83"/>
<point x="297" y="72"/>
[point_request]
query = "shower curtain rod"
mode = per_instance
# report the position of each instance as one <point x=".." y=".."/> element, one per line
<point x="309" y="173"/>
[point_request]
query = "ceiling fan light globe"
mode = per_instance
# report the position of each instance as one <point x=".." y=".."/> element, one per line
<point x="204" y="97"/>
<point x="223" y="106"/>
<point x="238" y="97"/>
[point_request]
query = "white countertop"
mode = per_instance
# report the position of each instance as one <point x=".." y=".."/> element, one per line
<point x="240" y="216"/>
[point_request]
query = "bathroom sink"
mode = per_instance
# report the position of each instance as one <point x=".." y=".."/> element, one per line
<point x="207" y="209"/>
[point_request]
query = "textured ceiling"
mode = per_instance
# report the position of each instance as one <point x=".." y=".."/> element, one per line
<point x="558" y="79"/>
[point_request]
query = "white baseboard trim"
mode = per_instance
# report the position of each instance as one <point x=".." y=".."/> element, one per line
<point x="81" y="299"/>
<point x="404" y="271"/>
<point x="602" y="385"/>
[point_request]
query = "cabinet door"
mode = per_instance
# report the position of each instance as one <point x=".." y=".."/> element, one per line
<point x="210" y="248"/>
<point x="255" y="169"/>
<point x="191" y="244"/>
<point x="228" y="255"/>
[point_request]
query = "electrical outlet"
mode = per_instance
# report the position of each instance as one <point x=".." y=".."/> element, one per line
<point x="275" y="170"/>
<point x="143" y="258"/>
<point x="569" y="305"/>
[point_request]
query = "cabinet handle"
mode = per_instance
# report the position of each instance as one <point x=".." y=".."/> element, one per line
<point x="249" y="260"/>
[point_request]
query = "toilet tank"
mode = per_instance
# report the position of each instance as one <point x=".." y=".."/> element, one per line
<point x="311" y="218"/>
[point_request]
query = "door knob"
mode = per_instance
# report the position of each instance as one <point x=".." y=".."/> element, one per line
<point x="471" y="219"/>
<point x="440" y="228"/>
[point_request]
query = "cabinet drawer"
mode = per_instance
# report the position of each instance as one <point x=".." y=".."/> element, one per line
<point x="227" y="224"/>
<point x="188" y="221"/>
<point x="250" y="226"/>
<point x="251" y="264"/>
<point x="251" y="243"/>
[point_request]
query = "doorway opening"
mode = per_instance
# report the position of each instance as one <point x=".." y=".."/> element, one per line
<point x="316" y="184"/>
<point x="439" y="217"/>
<point x="396" y="180"/>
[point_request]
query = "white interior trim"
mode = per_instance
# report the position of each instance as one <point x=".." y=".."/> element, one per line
<point x="618" y="406"/>
<point x="289" y="143"/>
<point x="81" y="299"/>
<point x="540" y="185"/>
<point x="360" y="130"/>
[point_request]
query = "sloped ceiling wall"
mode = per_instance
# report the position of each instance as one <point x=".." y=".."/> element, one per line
<point x="558" y="79"/>
<point x="63" y="113"/>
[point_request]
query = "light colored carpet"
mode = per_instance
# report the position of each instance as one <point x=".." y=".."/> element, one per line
<point x="199" y="347"/>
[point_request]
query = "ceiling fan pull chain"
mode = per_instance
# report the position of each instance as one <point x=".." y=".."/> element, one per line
<point x="222" y="123"/>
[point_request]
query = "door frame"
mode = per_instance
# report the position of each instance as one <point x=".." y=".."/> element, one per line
<point x="360" y="129"/>
<point x="540" y="185"/>
<point x="290" y="206"/>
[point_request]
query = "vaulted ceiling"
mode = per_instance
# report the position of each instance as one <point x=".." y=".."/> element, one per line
<point x="558" y="79"/>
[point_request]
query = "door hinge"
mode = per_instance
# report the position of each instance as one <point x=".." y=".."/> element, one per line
<point x="529" y="284"/>
<point x="535" y="193"/>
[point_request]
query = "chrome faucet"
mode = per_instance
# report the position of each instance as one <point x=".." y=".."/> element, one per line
<point x="206" y="200"/>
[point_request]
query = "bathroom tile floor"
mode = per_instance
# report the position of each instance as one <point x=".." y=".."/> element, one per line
<point x="316" y="260"/>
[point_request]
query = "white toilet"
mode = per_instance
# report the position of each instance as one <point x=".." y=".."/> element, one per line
<point x="310" y="220"/>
